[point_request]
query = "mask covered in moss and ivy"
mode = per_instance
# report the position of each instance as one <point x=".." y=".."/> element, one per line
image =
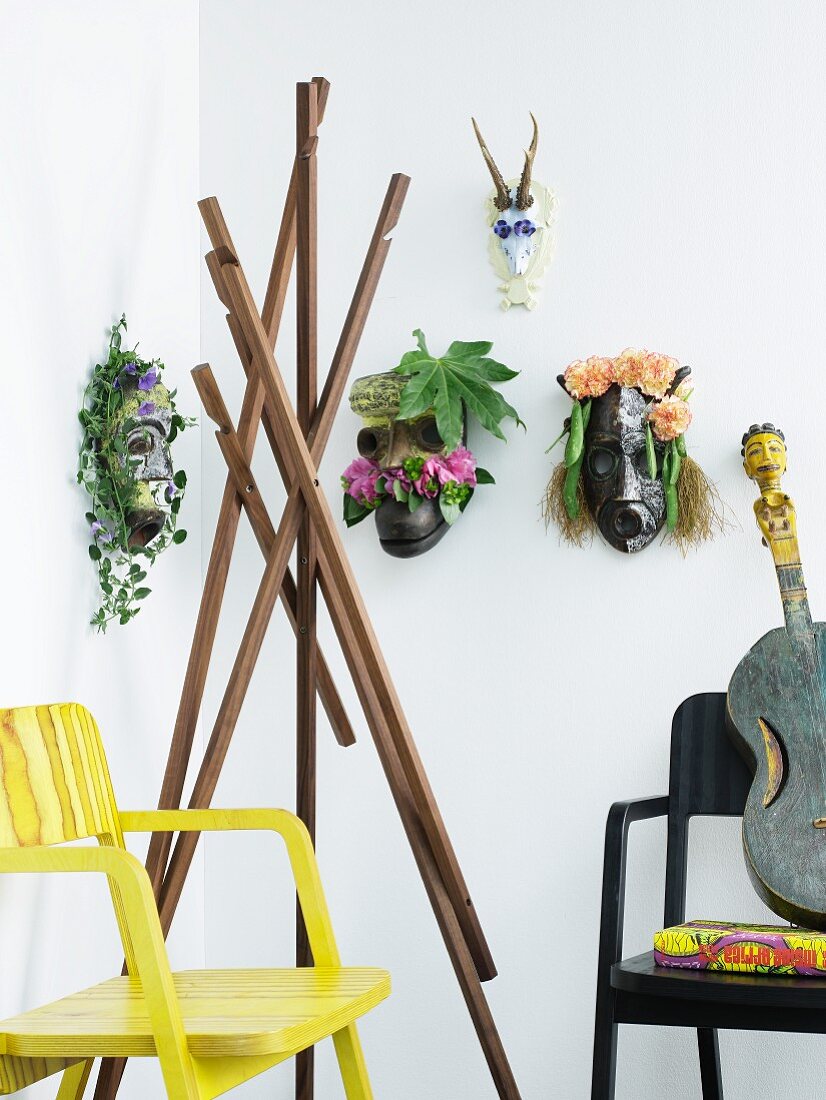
<point x="626" y="471"/>
<point x="414" y="470"/>
<point x="129" y="419"/>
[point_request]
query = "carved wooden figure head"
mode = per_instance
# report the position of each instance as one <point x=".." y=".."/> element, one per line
<point x="764" y="455"/>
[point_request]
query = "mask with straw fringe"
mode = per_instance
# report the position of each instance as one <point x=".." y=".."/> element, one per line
<point x="626" y="472"/>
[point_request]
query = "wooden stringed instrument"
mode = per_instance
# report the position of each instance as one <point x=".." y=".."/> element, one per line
<point x="777" y="715"/>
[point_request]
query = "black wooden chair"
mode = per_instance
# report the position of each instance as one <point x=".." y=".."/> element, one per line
<point x="707" y="777"/>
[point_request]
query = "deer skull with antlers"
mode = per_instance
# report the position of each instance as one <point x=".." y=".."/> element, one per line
<point x="521" y="214"/>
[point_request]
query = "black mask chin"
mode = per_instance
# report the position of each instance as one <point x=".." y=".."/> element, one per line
<point x="406" y="534"/>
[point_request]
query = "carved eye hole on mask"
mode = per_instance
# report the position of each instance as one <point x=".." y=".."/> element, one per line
<point x="428" y="435"/>
<point x="641" y="462"/>
<point x="139" y="445"/>
<point x="367" y="443"/>
<point x="602" y="463"/>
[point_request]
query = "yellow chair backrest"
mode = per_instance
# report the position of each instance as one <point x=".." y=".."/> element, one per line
<point x="54" y="781"/>
<point x="55" y="786"/>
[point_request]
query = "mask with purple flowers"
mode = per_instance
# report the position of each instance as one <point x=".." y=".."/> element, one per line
<point x="129" y="420"/>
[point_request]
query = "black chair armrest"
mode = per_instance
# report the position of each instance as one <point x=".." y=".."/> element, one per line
<point x="612" y="918"/>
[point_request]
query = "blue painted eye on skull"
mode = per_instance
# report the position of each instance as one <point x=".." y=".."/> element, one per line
<point x="523" y="228"/>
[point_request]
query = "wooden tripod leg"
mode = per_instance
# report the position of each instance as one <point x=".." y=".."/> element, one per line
<point x="306" y="399"/>
<point x="320" y="433"/>
<point x="289" y="443"/>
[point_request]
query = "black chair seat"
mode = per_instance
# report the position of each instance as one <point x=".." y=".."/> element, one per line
<point x="641" y="975"/>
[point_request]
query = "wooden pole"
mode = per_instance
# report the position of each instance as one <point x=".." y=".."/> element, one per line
<point x="306" y="400"/>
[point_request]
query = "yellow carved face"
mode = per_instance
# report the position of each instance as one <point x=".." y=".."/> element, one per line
<point x="765" y="457"/>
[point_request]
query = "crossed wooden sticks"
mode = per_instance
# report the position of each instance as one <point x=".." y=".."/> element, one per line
<point x="298" y="439"/>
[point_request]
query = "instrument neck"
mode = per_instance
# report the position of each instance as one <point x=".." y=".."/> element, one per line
<point x="795" y="602"/>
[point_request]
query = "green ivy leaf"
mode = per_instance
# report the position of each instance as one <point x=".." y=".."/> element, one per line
<point x="179" y="537"/>
<point x="142" y="593"/>
<point x="484" y="477"/>
<point x="179" y="480"/>
<point x="94" y="553"/>
<point x="460" y="380"/>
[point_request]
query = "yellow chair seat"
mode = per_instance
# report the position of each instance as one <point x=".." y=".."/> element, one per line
<point x="224" y="1012"/>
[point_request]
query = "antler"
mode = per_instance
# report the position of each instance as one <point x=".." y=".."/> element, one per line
<point x="503" y="195"/>
<point x="524" y="198"/>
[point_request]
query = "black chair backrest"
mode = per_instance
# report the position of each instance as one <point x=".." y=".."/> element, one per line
<point x="708" y="776"/>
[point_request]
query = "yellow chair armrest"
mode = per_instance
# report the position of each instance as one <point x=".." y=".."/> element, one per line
<point x="299" y="849"/>
<point x="135" y="900"/>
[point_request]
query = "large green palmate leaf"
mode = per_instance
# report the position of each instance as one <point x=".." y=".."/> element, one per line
<point x="460" y="380"/>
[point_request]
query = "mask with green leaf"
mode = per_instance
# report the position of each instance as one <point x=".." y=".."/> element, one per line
<point x="415" y="472"/>
<point x="129" y="420"/>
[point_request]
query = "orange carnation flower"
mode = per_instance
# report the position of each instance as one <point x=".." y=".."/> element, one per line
<point x="589" y="377"/>
<point x="669" y="418"/>
<point x="647" y="370"/>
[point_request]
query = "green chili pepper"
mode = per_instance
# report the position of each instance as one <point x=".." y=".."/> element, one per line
<point x="676" y="463"/>
<point x="586" y="415"/>
<point x="671" y="506"/>
<point x="650" y="453"/>
<point x="569" y="490"/>
<point x="573" y="448"/>
<point x="681" y="451"/>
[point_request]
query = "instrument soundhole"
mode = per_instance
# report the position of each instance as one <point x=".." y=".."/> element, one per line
<point x="777" y="767"/>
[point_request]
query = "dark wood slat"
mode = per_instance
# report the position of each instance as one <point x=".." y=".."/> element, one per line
<point x="306" y="398"/>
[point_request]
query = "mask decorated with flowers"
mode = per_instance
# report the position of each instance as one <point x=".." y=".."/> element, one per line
<point x="414" y="470"/>
<point x="129" y="420"/>
<point x="626" y="471"/>
<point x="521" y="214"/>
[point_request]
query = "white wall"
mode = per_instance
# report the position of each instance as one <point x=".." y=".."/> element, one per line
<point x="685" y="145"/>
<point x="98" y="108"/>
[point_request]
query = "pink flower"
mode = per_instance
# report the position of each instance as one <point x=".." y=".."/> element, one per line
<point x="432" y="477"/>
<point x="669" y="418"/>
<point x="589" y="378"/>
<point x="360" y="480"/>
<point x="649" y="371"/>
<point x="393" y="474"/>
<point x="462" y="466"/>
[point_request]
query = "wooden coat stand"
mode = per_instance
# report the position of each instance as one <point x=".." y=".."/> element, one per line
<point x="298" y="439"/>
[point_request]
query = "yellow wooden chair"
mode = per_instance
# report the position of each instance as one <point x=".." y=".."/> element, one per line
<point x="210" y="1029"/>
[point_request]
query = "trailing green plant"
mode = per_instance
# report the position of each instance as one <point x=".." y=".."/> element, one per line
<point x="123" y="406"/>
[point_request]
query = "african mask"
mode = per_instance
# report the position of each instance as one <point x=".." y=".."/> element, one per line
<point x="414" y="469"/>
<point x="129" y="420"/>
<point x="627" y="504"/>
<point x="521" y="214"/>
<point x="140" y="428"/>
<point x="626" y="471"/>
<point x="394" y="444"/>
